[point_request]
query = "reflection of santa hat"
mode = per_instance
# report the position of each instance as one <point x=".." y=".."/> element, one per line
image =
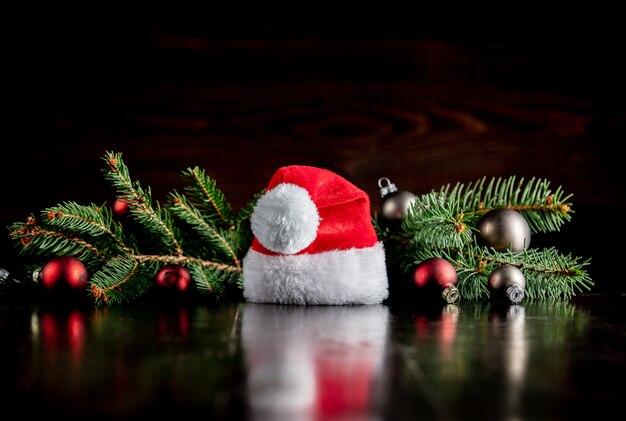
<point x="314" y="242"/>
<point x="309" y="363"/>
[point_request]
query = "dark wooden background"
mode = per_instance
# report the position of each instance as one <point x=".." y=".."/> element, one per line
<point x="424" y="102"/>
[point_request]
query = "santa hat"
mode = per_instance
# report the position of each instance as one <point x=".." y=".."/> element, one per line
<point x="314" y="242"/>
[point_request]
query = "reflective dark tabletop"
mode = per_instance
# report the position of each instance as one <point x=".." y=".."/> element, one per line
<point x="560" y="360"/>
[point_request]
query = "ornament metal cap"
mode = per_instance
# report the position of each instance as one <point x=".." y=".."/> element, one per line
<point x="451" y="295"/>
<point x="36" y="275"/>
<point x="389" y="187"/>
<point x="515" y="293"/>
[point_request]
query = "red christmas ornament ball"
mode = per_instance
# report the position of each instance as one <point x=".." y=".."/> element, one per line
<point x="121" y="206"/>
<point x="435" y="270"/>
<point x="64" y="272"/>
<point x="173" y="276"/>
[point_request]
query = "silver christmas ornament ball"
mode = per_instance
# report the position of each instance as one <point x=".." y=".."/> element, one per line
<point x="504" y="229"/>
<point x="509" y="281"/>
<point x="396" y="203"/>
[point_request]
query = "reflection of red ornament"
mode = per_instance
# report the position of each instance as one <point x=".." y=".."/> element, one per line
<point x="64" y="272"/>
<point x="63" y="331"/>
<point x="422" y="325"/>
<point x="174" y="276"/>
<point x="76" y="326"/>
<point x="174" y="323"/>
<point x="49" y="330"/>
<point x="442" y="325"/>
<point x="447" y="330"/>
<point x="121" y="206"/>
<point x="438" y="272"/>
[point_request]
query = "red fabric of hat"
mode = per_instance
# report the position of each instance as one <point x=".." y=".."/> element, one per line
<point x="344" y="209"/>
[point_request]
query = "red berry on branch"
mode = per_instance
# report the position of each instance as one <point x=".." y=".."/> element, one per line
<point x="173" y="277"/>
<point x="121" y="206"/>
<point x="64" y="272"/>
<point x="437" y="273"/>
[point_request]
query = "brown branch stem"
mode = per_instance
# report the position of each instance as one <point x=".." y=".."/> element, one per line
<point x="182" y="260"/>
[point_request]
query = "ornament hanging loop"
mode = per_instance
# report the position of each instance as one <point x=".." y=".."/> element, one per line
<point x="387" y="187"/>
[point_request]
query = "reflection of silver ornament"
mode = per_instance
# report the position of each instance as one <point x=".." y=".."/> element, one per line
<point x="509" y="281"/>
<point x="396" y="203"/>
<point x="503" y="228"/>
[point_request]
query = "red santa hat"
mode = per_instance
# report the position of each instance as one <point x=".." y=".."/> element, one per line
<point x="314" y="242"/>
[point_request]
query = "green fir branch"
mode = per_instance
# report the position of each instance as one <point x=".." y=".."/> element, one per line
<point x="94" y="221"/>
<point x="204" y="283"/>
<point x="245" y="212"/>
<point x="549" y="274"/>
<point x="203" y="193"/>
<point x="155" y="220"/>
<point x="128" y="277"/>
<point x="217" y="239"/>
<point x="241" y="238"/>
<point x="123" y="266"/>
<point x="436" y="220"/>
<point x="119" y="280"/>
<point x="39" y="240"/>
<point x="210" y="280"/>
<point x="442" y="223"/>
<point x="439" y="223"/>
<point x="186" y="260"/>
<point x="545" y="210"/>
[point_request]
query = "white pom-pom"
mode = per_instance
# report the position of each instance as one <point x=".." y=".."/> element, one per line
<point x="285" y="219"/>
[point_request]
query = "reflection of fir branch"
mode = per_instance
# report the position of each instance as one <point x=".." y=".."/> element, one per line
<point x="443" y="223"/>
<point x="199" y="232"/>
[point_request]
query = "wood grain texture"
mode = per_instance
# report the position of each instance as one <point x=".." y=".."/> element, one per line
<point x="421" y="110"/>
